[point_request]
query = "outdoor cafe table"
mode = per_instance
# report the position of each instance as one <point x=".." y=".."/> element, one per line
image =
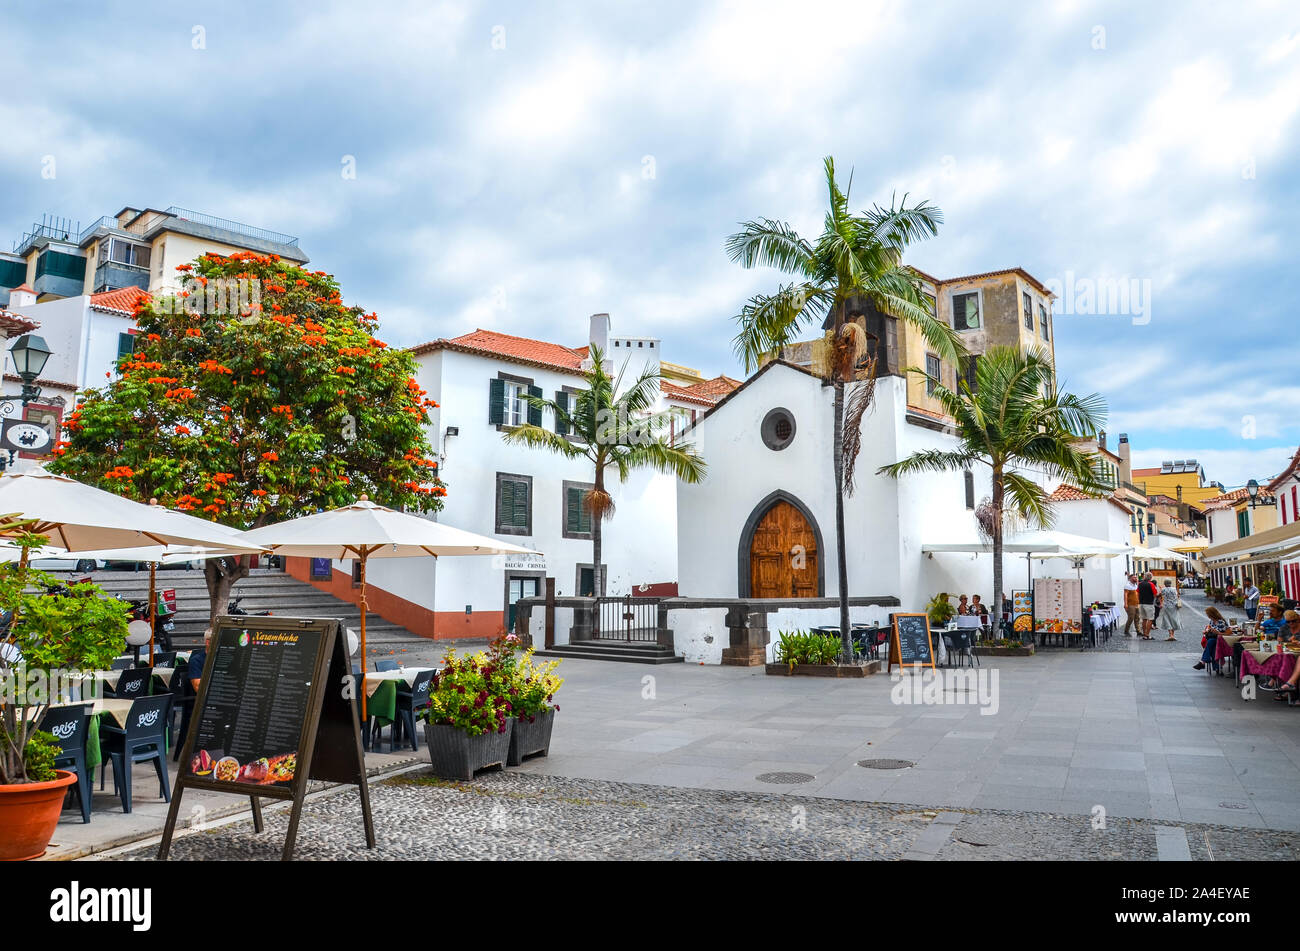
<point x="119" y="710"/>
<point x="111" y="677"/>
<point x="1268" y="663"/>
<point x="381" y="691"/>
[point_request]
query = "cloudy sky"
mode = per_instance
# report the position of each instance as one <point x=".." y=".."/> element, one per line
<point x="519" y="166"/>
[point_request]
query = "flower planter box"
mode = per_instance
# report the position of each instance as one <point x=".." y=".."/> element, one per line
<point x="825" y="670"/>
<point x="1026" y="650"/>
<point x="29" y="814"/>
<point x="527" y="739"/>
<point x="454" y="754"/>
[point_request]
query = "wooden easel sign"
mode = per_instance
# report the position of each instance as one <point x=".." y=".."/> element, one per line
<point x="909" y="641"/>
<point x="272" y="713"/>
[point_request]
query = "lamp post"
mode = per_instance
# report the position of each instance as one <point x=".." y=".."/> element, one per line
<point x="30" y="353"/>
<point x="1252" y="489"/>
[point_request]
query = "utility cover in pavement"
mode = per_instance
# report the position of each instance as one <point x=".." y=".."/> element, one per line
<point x="785" y="779"/>
<point x="885" y="764"/>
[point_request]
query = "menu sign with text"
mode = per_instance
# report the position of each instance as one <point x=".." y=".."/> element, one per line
<point x="909" y="641"/>
<point x="259" y="681"/>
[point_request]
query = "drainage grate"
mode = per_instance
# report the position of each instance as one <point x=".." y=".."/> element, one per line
<point x="1232" y="805"/>
<point x="885" y="764"/>
<point x="785" y="779"/>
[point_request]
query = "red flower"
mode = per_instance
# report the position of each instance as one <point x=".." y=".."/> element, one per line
<point x="182" y="430"/>
<point x="271" y="456"/>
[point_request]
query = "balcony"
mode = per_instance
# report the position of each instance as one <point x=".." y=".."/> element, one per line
<point x="59" y="274"/>
<point x="112" y="276"/>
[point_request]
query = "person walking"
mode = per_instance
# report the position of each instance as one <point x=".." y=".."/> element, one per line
<point x="1170" y="602"/>
<point x="1147" y="595"/>
<point x="1251" y="594"/>
<point x="1131" y="606"/>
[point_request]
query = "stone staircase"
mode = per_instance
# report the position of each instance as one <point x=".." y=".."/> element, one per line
<point x="627" y="652"/>
<point x="265" y="589"/>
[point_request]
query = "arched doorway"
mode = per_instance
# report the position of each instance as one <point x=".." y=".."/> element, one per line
<point x="780" y="554"/>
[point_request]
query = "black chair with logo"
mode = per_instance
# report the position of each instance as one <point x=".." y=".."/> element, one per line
<point x="71" y="728"/>
<point x="382" y="665"/>
<point x="959" y="643"/>
<point x="184" y="696"/>
<point x="164" y="659"/>
<point x="144" y="740"/>
<point x="133" y="684"/>
<point x="410" y="701"/>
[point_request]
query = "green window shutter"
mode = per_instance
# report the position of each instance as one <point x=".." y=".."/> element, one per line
<point x="562" y="400"/>
<point x="534" y="412"/>
<point x="497" y="402"/>
<point x="505" y="503"/>
<point x="521" y="505"/>
<point x="571" y="497"/>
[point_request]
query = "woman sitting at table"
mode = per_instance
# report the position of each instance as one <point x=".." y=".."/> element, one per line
<point x="1216" y="627"/>
<point x="1292" y="628"/>
<point x="962" y="606"/>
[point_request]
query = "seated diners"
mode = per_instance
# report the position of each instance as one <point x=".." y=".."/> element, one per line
<point x="1216" y="627"/>
<point x="979" y="608"/>
<point x="962" y="606"/>
<point x="1275" y="621"/>
<point x="1289" y="688"/>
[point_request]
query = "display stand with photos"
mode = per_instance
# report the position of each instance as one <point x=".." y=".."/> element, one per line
<point x="909" y="641"/>
<point x="1058" y="607"/>
<point x="274" y="711"/>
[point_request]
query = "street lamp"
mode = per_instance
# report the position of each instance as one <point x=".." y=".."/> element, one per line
<point x="1252" y="489"/>
<point x="30" y="353"/>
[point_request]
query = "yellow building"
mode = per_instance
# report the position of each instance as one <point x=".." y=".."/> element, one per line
<point x="1181" y="479"/>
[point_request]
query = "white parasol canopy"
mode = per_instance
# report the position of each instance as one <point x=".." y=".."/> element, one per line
<point x="1040" y="544"/>
<point x="365" y="530"/>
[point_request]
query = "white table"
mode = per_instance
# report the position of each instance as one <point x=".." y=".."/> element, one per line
<point x="405" y="674"/>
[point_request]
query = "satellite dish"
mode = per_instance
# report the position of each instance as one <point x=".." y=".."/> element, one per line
<point x="137" y="633"/>
<point x="353" y="641"/>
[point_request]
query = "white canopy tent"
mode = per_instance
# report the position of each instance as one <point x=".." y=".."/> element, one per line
<point x="1042" y="544"/>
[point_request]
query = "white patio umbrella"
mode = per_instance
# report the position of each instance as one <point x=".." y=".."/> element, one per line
<point x="365" y="530"/>
<point x="81" y="518"/>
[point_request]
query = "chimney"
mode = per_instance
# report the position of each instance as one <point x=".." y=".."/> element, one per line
<point x="1125" y="462"/>
<point x="1101" y="439"/>
<point x="22" y="296"/>
<point x="599" y="336"/>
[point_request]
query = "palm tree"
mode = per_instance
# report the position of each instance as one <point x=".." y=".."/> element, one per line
<point x="1015" y="419"/>
<point x="613" y="428"/>
<point x="855" y="261"/>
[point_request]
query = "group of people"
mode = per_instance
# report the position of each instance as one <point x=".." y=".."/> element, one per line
<point x="973" y="607"/>
<point x="1145" y="603"/>
<point x="1280" y="623"/>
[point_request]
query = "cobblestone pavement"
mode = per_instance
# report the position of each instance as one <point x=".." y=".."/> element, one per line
<point x="1192" y="618"/>
<point x="503" y="816"/>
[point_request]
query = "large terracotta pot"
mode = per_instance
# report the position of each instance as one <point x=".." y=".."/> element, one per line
<point x="29" y="813"/>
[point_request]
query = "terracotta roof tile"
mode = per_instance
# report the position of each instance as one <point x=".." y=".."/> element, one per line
<point x="121" y="301"/>
<point x="507" y="346"/>
<point x="1069" y="493"/>
<point x="674" y="392"/>
<point x="713" y="389"/>
<point x="14" y="324"/>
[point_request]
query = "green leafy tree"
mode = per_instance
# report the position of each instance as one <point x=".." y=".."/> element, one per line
<point x="856" y="260"/>
<point x="1015" y="420"/>
<point x="255" y="395"/>
<point x="613" y="428"/>
<point x="82" y="630"/>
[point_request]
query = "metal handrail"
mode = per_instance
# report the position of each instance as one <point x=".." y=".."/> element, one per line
<point x="235" y="226"/>
<point x="107" y="221"/>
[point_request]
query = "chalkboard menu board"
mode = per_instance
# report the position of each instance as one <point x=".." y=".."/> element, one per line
<point x="275" y="709"/>
<point x="909" y="641"/>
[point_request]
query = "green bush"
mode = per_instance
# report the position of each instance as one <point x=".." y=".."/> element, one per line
<point x="940" y="610"/>
<point x="806" y="647"/>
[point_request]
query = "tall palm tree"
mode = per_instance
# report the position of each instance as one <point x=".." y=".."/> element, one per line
<point x="855" y="261"/>
<point x="613" y="428"/>
<point x="1013" y="420"/>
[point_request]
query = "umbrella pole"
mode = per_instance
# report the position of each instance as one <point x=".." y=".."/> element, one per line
<point x="153" y="609"/>
<point x="363" y="635"/>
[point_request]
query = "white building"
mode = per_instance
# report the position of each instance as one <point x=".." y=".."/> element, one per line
<point x="1105" y="519"/>
<point x="529" y="496"/>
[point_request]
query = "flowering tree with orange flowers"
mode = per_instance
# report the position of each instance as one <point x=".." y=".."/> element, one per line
<point x="255" y="395"/>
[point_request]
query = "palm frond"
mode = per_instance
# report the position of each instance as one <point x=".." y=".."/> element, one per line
<point x="859" y="402"/>
<point x="536" y="437"/>
<point x="770" y="243"/>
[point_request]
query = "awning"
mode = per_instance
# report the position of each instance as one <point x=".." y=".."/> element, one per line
<point x="1043" y="544"/>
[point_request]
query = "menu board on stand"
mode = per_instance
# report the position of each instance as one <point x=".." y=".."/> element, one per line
<point x="1058" y="606"/>
<point x="274" y="711"/>
<point x="909" y="641"/>
<point x="1022" y="612"/>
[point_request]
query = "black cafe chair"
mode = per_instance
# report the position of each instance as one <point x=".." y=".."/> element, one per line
<point x="122" y="663"/>
<point x="959" y="644"/>
<point x="71" y="728"/>
<point x="133" y="683"/>
<point x="164" y="659"/>
<point x="410" y="701"/>
<point x="143" y="741"/>
<point x="382" y="665"/>
<point x="184" y="696"/>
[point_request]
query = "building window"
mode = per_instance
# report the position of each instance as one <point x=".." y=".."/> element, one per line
<point x="777" y="430"/>
<point x="966" y="311"/>
<point x="932" y="369"/>
<point x="1029" y="311"/>
<point x="125" y="345"/>
<point x="514" y="497"/>
<point x="124" y="252"/>
<point x="972" y="372"/>
<point x="507" y="405"/>
<point x="969" y="478"/>
<point x="576" y="518"/>
<point x="1243" y="523"/>
<point x="1042" y="322"/>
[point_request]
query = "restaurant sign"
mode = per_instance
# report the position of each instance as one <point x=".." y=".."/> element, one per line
<point x="909" y="641"/>
<point x="270" y="691"/>
<point x="525" y="563"/>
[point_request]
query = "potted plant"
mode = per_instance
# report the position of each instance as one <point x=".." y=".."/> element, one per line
<point x="940" y="610"/>
<point x="814" y="654"/>
<point x="49" y="640"/>
<point x="532" y="698"/>
<point x="469" y="717"/>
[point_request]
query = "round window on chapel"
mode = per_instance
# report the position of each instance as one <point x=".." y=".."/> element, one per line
<point x="778" y="429"/>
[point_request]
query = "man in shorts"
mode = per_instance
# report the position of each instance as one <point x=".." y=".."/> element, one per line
<point x="1147" y="594"/>
<point x="1131" y="607"/>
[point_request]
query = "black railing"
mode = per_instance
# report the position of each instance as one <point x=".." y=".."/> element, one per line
<point x="627" y="619"/>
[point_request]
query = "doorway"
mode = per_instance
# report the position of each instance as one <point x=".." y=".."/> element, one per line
<point x="523" y="585"/>
<point x="781" y="555"/>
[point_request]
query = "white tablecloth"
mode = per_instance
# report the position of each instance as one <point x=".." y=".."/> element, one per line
<point x="1101" y="617"/>
<point x="111" y="677"/>
<point x="405" y="674"/>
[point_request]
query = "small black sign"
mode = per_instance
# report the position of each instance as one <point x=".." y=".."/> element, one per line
<point x="22" y="435"/>
<point x="274" y="710"/>
<point x="909" y="641"/>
